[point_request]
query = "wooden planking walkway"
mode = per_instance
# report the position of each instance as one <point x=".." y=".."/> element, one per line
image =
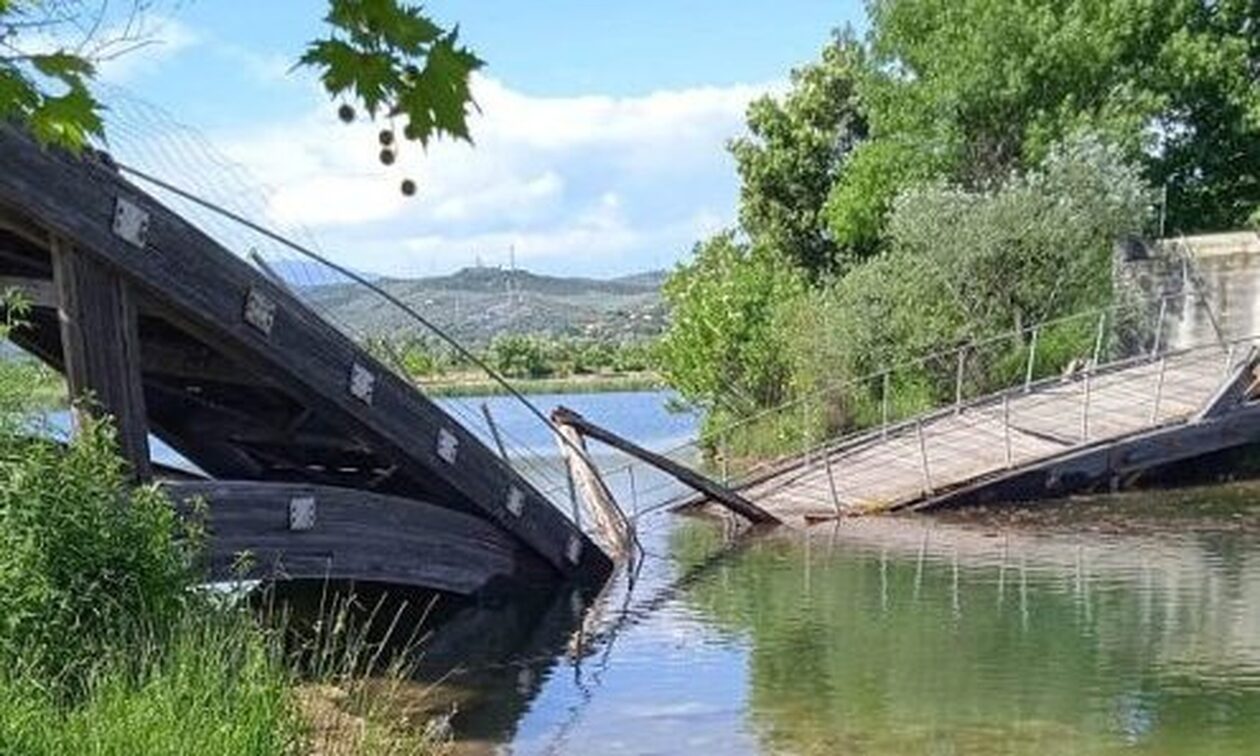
<point x="877" y="473"/>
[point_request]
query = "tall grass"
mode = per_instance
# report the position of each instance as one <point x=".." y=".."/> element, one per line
<point x="109" y="646"/>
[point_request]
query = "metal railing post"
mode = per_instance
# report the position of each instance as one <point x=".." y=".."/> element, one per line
<point x="723" y="452"/>
<point x="1006" y="428"/>
<point x="831" y="482"/>
<point x="1032" y="360"/>
<point x="1085" y="408"/>
<point x="927" y="472"/>
<point x="1098" y="340"/>
<point x="634" y="490"/>
<point x="883" y="404"/>
<point x="958" y="379"/>
<point x="1159" y="389"/>
<point x="1159" y="327"/>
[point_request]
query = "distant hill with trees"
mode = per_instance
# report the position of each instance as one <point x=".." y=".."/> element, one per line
<point x="476" y="305"/>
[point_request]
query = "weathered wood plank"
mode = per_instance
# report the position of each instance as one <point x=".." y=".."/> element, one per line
<point x="190" y="273"/>
<point x="101" y="348"/>
<point x="610" y="522"/>
<point x="351" y="535"/>
<point x="684" y="475"/>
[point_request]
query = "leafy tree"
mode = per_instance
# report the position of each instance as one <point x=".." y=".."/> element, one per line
<point x="722" y="346"/>
<point x="977" y="88"/>
<point x="964" y="265"/>
<point x="386" y="55"/>
<point x="793" y="153"/>
<point x="517" y="356"/>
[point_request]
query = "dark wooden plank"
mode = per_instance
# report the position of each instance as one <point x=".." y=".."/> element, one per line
<point x="192" y="275"/>
<point x="684" y="475"/>
<point x="101" y="349"/>
<point x="1104" y="465"/>
<point x="354" y="535"/>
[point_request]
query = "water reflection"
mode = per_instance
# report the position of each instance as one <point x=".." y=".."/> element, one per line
<point x="1126" y="624"/>
<point x="1111" y="625"/>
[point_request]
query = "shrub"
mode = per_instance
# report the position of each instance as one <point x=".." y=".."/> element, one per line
<point x="722" y="347"/>
<point x="85" y="558"/>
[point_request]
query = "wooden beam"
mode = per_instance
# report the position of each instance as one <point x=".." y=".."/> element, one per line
<point x="312" y="532"/>
<point x="208" y="287"/>
<point x="681" y="473"/>
<point x="100" y="345"/>
<point x="610" y="522"/>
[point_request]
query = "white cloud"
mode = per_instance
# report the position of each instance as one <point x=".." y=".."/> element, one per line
<point x="600" y="182"/>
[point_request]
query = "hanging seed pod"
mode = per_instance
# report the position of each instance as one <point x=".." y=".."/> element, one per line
<point x="346" y="113"/>
<point x="387" y="156"/>
<point x="386" y="137"/>
<point x="408" y="188"/>
<point x="411" y="132"/>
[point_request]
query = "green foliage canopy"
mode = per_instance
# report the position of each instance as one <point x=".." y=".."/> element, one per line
<point x="978" y="88"/>
<point x="722" y="341"/>
<point x="793" y="153"/>
<point x="386" y="55"/>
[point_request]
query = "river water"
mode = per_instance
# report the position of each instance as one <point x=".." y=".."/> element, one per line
<point x="1123" y="624"/>
<point x="1113" y="625"/>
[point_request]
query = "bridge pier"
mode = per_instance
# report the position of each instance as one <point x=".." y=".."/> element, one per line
<point x="101" y="348"/>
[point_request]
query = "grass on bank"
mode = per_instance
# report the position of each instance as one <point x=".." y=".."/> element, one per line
<point x="109" y="646"/>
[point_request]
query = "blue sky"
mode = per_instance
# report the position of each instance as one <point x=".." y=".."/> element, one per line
<point x="599" y="144"/>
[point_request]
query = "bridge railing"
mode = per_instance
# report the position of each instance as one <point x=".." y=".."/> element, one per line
<point x="974" y="383"/>
<point x="184" y="170"/>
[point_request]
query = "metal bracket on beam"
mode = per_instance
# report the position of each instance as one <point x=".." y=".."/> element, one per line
<point x="302" y="513"/>
<point x="131" y="223"/>
<point x="362" y="383"/>
<point x="447" y="446"/>
<point x="260" y="311"/>
<point x="515" y="501"/>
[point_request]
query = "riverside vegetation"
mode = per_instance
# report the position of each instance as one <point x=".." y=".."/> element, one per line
<point x="109" y="646"/>
<point x="961" y="172"/>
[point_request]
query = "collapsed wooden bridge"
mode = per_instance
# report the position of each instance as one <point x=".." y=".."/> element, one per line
<point x="319" y="461"/>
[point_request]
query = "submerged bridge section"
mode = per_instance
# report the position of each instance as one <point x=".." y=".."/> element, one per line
<point x="319" y="460"/>
<point x="1102" y="430"/>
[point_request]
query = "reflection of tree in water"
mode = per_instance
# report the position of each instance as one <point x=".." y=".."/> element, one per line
<point x="1025" y="639"/>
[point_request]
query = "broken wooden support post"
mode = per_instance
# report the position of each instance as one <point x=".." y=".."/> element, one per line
<point x="610" y="522"/>
<point x="101" y="347"/>
<point x="681" y="473"/>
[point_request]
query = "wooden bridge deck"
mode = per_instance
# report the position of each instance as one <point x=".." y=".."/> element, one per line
<point x="952" y="450"/>
<point x="171" y="333"/>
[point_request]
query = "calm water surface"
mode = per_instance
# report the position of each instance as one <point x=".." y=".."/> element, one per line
<point x="1117" y="625"/>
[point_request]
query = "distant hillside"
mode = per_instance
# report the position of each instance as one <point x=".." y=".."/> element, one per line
<point x="477" y="304"/>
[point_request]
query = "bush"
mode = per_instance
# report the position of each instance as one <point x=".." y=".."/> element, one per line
<point x="722" y="347"/>
<point x="964" y="267"/>
<point x="519" y="357"/>
<point x="85" y="559"/>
